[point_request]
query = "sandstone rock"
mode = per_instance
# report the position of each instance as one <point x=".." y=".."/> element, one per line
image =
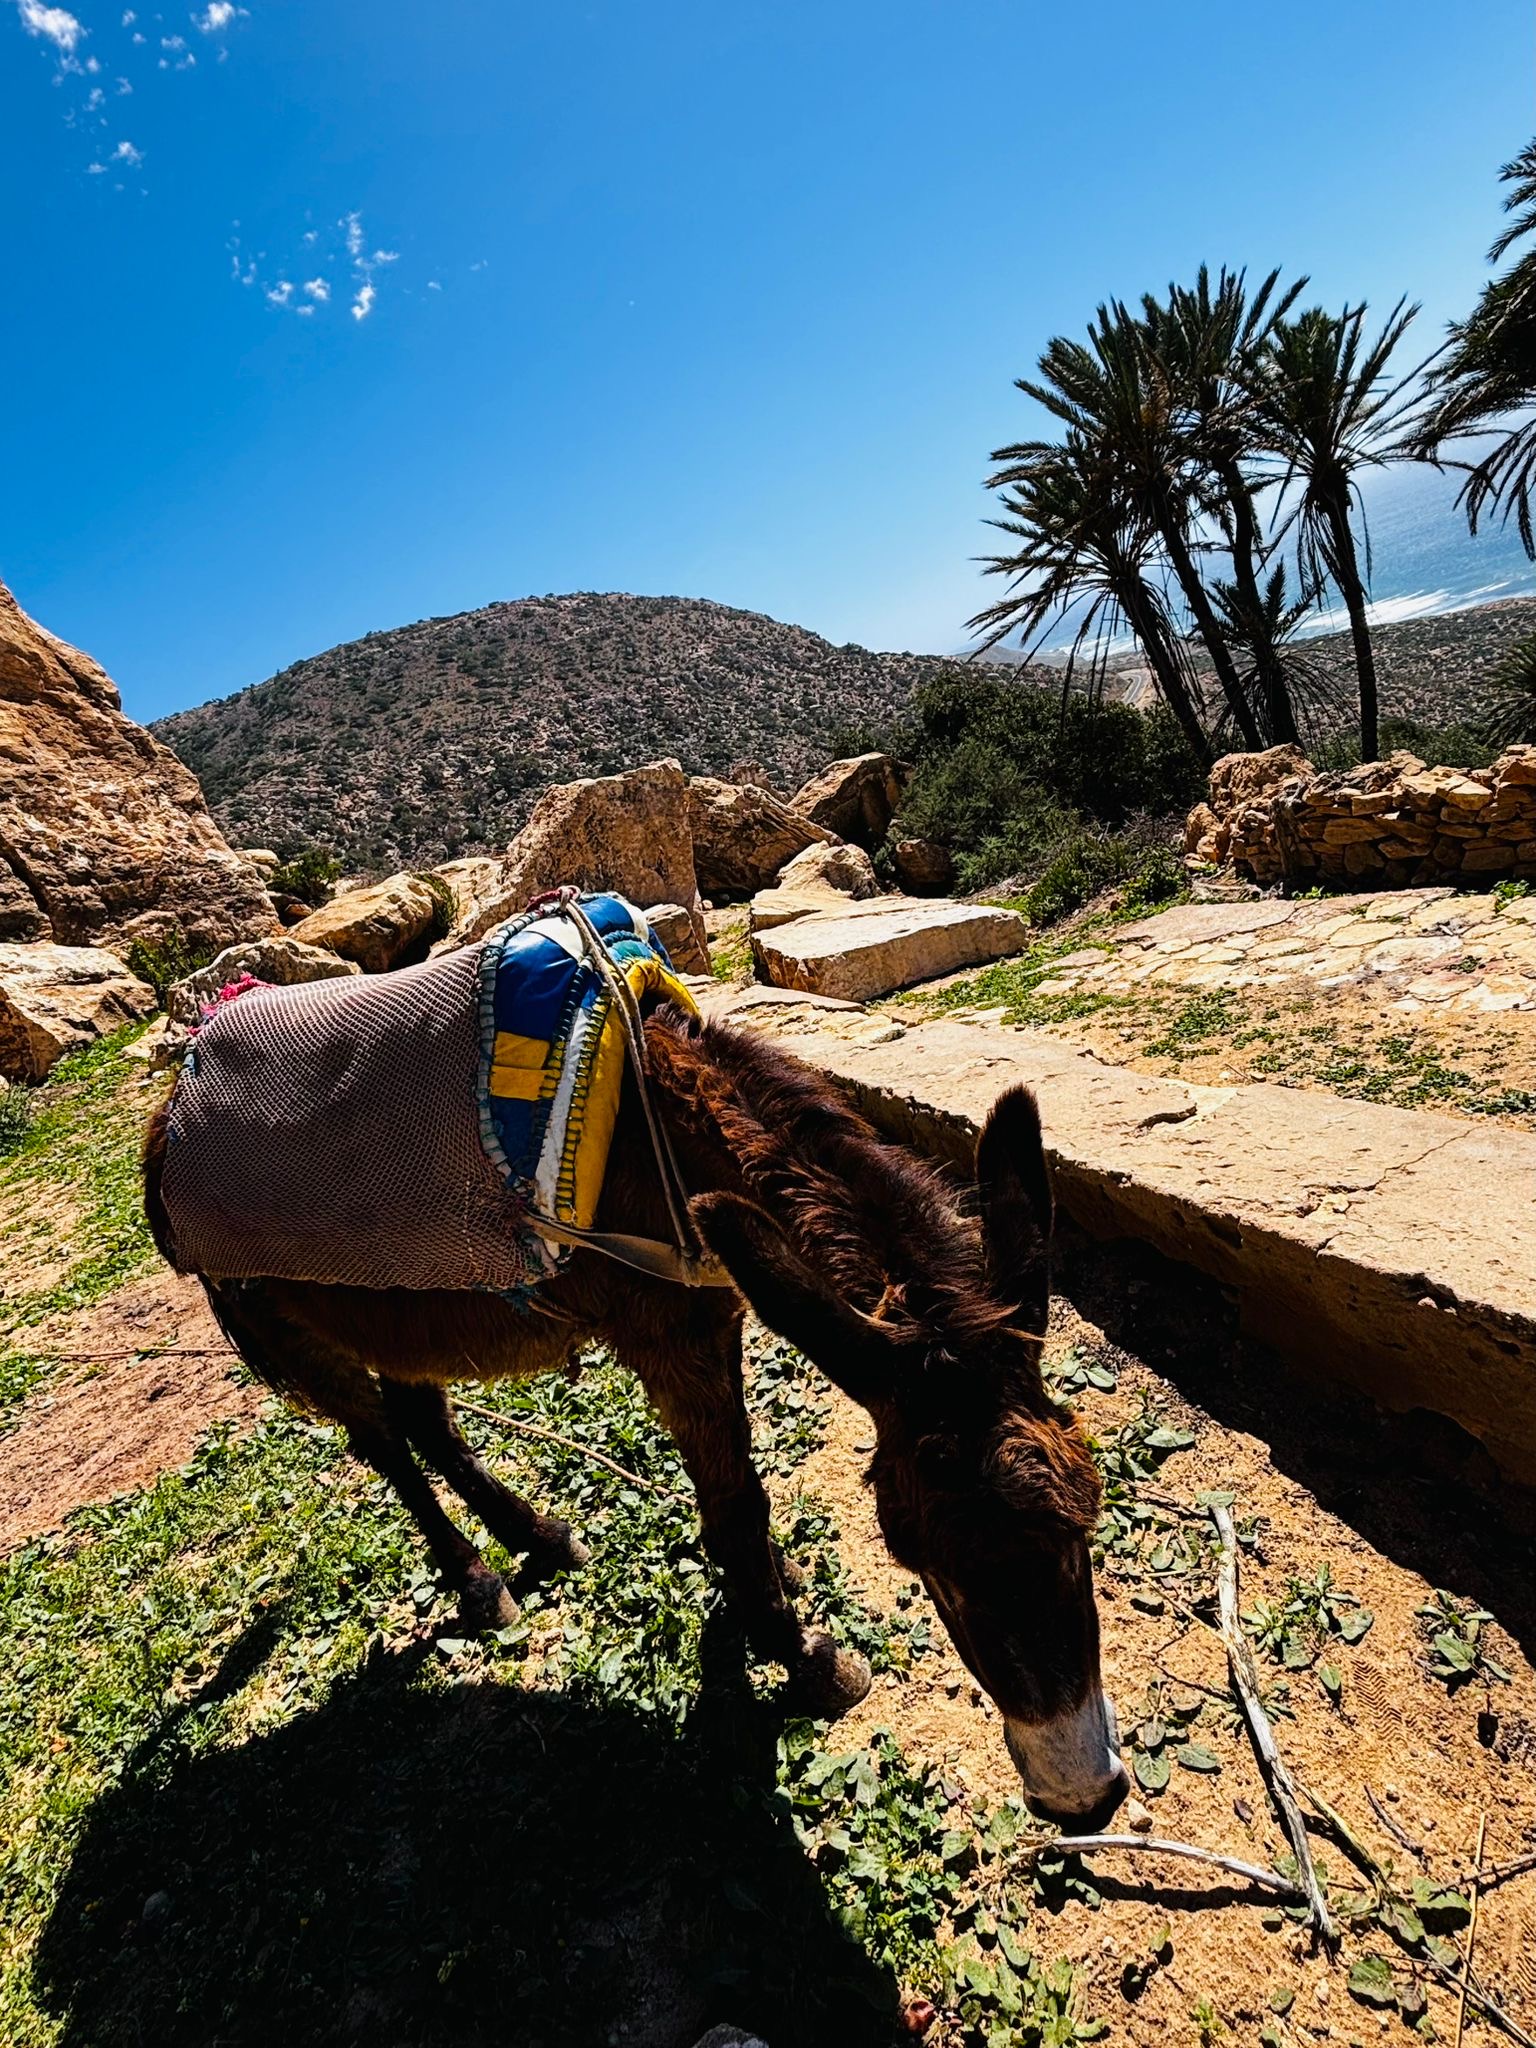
<point x="923" y="867"/>
<point x="834" y="870"/>
<point x="625" y="832"/>
<point x="282" y="960"/>
<point x="772" y="907"/>
<point x="21" y="915"/>
<point x="1515" y="768"/>
<point x="856" y="798"/>
<point x="868" y="949"/>
<point x="674" y="927"/>
<point x="742" y="835"/>
<point x="54" y="999"/>
<point x="383" y="926"/>
<point x="1236" y="779"/>
<point x="474" y="882"/>
<point x="261" y="858"/>
<point x="103" y="822"/>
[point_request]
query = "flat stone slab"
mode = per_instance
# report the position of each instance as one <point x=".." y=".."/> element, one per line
<point x="863" y="950"/>
<point x="55" y="999"/>
<point x="1394" y="1249"/>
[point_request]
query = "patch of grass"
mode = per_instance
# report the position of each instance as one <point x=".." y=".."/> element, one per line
<point x="82" y="1143"/>
<point x="255" y="1782"/>
<point x="15" y="1118"/>
<point x="730" y="953"/>
<point x="164" y="962"/>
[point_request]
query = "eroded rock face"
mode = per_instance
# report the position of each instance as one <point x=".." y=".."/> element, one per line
<point x="923" y="867"/>
<point x="742" y="835"/>
<point x="21" y="915"/>
<point x="381" y="926"/>
<point x="835" y="870"/>
<point x="55" y="999"/>
<point x="283" y="961"/>
<point x="674" y="927"/>
<point x="865" y="950"/>
<point x="628" y="833"/>
<point x="101" y="826"/>
<point x="856" y="798"/>
<point x="1385" y="824"/>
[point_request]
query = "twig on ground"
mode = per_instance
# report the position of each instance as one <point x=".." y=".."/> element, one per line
<point x="1336" y="1822"/>
<point x="568" y="1443"/>
<point x="1466" y="1961"/>
<point x="1254" y="1873"/>
<point x="1245" y="1677"/>
<point x="1392" y="1827"/>
<point x="1516" y="1867"/>
<point x="150" y="1350"/>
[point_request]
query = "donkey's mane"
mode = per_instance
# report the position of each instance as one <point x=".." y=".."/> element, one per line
<point x="888" y="1231"/>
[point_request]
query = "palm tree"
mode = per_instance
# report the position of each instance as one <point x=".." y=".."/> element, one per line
<point x="1116" y="396"/>
<point x="1083" y="544"/>
<point x="1488" y="371"/>
<point x="1207" y="343"/>
<point x="1263" y="623"/>
<point x="1328" y="410"/>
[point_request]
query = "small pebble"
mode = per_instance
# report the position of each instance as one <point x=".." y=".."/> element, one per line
<point x="865" y="1443"/>
<point x="952" y="1687"/>
<point x="1392" y="1793"/>
<point x="1320" y="1991"/>
<point x="1138" y="1818"/>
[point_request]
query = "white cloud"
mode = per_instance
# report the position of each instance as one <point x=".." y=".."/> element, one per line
<point x="55" y="25"/>
<point x="218" y="14"/>
<point x="129" y="18"/>
<point x="353" y="223"/>
<point x="123" y="87"/>
<point x="318" y="290"/>
<point x="304" y="311"/>
<point x="362" y="305"/>
<point x="280" y="293"/>
<point x="94" y="100"/>
<point x="311" y="236"/>
<point x="386" y="256"/>
<point x="173" y="42"/>
<point x="95" y="170"/>
<point x="433" y="285"/>
<point x="125" y="153"/>
<point x="137" y="36"/>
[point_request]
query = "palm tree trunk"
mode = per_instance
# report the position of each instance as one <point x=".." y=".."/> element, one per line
<point x="1277" y="696"/>
<point x="1346" y="573"/>
<point x="1172" y="536"/>
<point x="1171" y="680"/>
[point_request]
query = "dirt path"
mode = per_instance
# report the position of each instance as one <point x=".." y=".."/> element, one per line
<point x="119" y="1418"/>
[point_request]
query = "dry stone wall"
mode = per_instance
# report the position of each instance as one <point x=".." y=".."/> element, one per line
<point x="1387" y="824"/>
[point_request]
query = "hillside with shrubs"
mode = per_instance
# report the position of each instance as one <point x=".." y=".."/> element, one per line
<point x="433" y="740"/>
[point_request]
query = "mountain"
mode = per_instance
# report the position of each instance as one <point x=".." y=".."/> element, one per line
<point x="432" y="740"/>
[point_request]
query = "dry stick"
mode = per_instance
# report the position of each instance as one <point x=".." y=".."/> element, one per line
<point x="1466" y="1963"/>
<point x="1517" y="1867"/>
<point x="1245" y="1677"/>
<point x="568" y="1443"/>
<point x="1269" y="1880"/>
<point x="1392" y="1827"/>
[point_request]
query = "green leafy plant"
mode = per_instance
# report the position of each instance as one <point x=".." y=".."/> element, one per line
<point x="164" y="962"/>
<point x="1294" y="1630"/>
<point x="1454" y="1630"/>
<point x="307" y="872"/>
<point x="15" y="1118"/>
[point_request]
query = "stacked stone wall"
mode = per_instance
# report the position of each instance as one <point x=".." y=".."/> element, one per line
<point x="1387" y="824"/>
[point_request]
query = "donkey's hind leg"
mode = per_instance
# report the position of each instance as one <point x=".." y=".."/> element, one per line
<point x="298" y="1363"/>
<point x="423" y="1413"/>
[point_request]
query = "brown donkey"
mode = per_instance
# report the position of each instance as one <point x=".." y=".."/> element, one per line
<point x="855" y="1252"/>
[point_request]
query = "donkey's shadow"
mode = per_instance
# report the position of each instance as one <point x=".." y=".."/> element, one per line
<point x="409" y="1865"/>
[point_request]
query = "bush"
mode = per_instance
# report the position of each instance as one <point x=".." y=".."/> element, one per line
<point x="164" y="962"/>
<point x="307" y="872"/>
<point x="15" y="1118"/>
<point x="1459" y="745"/>
<point x="1016" y="783"/>
<point x="445" y="907"/>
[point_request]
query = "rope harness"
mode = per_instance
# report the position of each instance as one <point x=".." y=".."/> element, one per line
<point x="686" y="1261"/>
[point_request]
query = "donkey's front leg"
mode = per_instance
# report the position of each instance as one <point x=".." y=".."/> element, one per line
<point x="698" y="1394"/>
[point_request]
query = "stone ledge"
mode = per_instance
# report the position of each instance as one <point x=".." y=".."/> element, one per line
<point x="1392" y="1248"/>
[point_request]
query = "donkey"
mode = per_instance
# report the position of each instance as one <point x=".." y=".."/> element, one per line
<point x="861" y="1256"/>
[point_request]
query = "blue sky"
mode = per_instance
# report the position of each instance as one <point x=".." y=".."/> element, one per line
<point x="722" y="300"/>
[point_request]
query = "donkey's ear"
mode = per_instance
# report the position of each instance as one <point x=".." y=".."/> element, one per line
<point x="1016" y="1208"/>
<point x="852" y="1349"/>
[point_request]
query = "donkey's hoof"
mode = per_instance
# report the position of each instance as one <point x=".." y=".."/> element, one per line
<point x="791" y="1575"/>
<point x="485" y="1603"/>
<point x="827" y="1681"/>
<point x="557" y="1549"/>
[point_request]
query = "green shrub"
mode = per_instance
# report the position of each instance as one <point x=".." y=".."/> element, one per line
<point x="1007" y="775"/>
<point x="15" y="1118"/>
<point x="163" y="962"/>
<point x="1091" y="861"/>
<point x="308" y="872"/>
<point x="1458" y="745"/>
<point x="445" y="907"/>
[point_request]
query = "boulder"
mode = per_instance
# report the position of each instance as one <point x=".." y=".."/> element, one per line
<point x="282" y="960"/>
<point x="1206" y="837"/>
<point x="674" y="928"/>
<point x="624" y="832"/>
<point x="742" y="836"/>
<point x="384" y="925"/>
<point x="55" y="999"/>
<point x="834" y="870"/>
<point x="472" y="882"/>
<point x="1236" y="779"/>
<point x="105" y="828"/>
<point x="856" y="798"/>
<point x="865" y="950"/>
<point x="923" y="867"/>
